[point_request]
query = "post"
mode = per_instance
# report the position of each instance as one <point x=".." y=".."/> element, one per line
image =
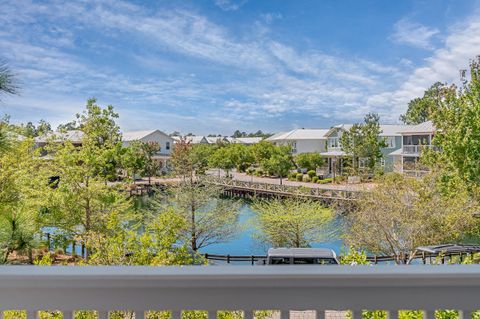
<point x="248" y="314"/>
<point x="103" y="315"/>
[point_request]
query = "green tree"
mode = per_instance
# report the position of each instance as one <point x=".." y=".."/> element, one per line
<point x="134" y="159"/>
<point x="209" y="219"/>
<point x="363" y="143"/>
<point x="308" y="161"/>
<point x="291" y="222"/>
<point x="7" y="80"/>
<point x="457" y="133"/>
<point x="420" y="212"/>
<point x="421" y="109"/>
<point x="83" y="196"/>
<point x="151" y="166"/>
<point x="23" y="183"/>
<point x="280" y="162"/>
<point x="224" y="158"/>
<point x="124" y="242"/>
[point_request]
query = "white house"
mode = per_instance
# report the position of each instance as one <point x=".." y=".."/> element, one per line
<point x="302" y="140"/>
<point x="335" y="154"/>
<point x="249" y="140"/>
<point x="164" y="141"/>
<point x="414" y="139"/>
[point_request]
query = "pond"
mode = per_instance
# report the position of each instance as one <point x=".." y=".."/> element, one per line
<point x="246" y="244"/>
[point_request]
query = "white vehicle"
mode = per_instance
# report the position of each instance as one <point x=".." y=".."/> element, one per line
<point x="301" y="256"/>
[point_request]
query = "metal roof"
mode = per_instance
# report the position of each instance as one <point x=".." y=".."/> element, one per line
<point x="425" y="127"/>
<point x="301" y="252"/>
<point x="450" y="248"/>
<point x="138" y="135"/>
<point x="74" y="136"/>
<point x="300" y="134"/>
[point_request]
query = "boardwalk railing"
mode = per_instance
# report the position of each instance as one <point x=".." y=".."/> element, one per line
<point x="241" y="288"/>
<point x="282" y="190"/>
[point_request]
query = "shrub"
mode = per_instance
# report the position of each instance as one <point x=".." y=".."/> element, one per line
<point x="307" y="178"/>
<point x="258" y="172"/>
<point x="311" y="173"/>
<point x="314" y="179"/>
<point x="250" y="171"/>
<point x="292" y="176"/>
<point x="325" y="181"/>
<point x="299" y="177"/>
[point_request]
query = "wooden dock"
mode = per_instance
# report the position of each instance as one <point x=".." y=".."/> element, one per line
<point x="239" y="188"/>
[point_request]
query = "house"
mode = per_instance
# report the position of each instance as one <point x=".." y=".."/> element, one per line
<point x="414" y="139"/>
<point x="164" y="141"/>
<point x="196" y="139"/>
<point x="249" y="140"/>
<point x="302" y="140"/>
<point x="335" y="154"/>
<point x="74" y="136"/>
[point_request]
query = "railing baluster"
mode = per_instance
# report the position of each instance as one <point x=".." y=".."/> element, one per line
<point x="212" y="315"/>
<point x="357" y="314"/>
<point x="140" y="314"/>
<point x="284" y="314"/>
<point x="176" y="314"/>
<point x="248" y="314"/>
<point x="103" y="315"/>
<point x="320" y="314"/>
<point x="465" y="314"/>
<point x="32" y="314"/>
<point x="68" y="314"/>
<point x="392" y="314"/>
<point x="429" y="314"/>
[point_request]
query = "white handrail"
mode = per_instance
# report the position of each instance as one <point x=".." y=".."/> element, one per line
<point x="246" y="288"/>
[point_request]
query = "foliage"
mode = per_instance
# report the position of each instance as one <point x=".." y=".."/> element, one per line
<point x="315" y="179"/>
<point x="23" y="182"/>
<point x="354" y="257"/>
<point x="208" y="218"/>
<point x="299" y="177"/>
<point x="8" y="83"/>
<point x="420" y="213"/>
<point x="311" y="173"/>
<point x="309" y="161"/>
<point x="363" y="142"/>
<point x="134" y="159"/>
<point x="421" y="109"/>
<point x="122" y="242"/>
<point x="291" y="222"/>
<point x="457" y="124"/>
<point x="280" y="162"/>
<point x="307" y="179"/>
<point x="231" y="156"/>
<point x="325" y="181"/>
<point x="258" y="133"/>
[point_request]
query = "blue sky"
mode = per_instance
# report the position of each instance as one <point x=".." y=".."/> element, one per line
<point x="214" y="66"/>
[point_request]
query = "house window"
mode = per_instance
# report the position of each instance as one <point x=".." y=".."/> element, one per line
<point x="333" y="142"/>
<point x="390" y="142"/>
<point x="167" y="146"/>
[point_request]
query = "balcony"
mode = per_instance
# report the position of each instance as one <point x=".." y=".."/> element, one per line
<point x="246" y="288"/>
<point x="417" y="149"/>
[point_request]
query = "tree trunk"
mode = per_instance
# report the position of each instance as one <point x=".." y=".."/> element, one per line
<point x="88" y="216"/>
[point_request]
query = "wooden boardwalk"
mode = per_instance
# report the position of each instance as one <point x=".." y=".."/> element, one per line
<point x="244" y="188"/>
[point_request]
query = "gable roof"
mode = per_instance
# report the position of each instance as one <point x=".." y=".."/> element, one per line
<point x="138" y="135"/>
<point x="249" y="140"/>
<point x="74" y="136"/>
<point x="386" y="129"/>
<point x="300" y="134"/>
<point x="425" y="127"/>
<point x="196" y="139"/>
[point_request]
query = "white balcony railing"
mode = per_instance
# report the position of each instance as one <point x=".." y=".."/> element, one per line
<point x="244" y="288"/>
<point x="417" y="149"/>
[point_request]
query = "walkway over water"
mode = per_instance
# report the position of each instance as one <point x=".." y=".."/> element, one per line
<point x="244" y="188"/>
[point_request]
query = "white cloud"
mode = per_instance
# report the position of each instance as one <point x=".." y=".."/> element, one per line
<point x="461" y="45"/>
<point x="230" y="5"/>
<point x="414" y="34"/>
